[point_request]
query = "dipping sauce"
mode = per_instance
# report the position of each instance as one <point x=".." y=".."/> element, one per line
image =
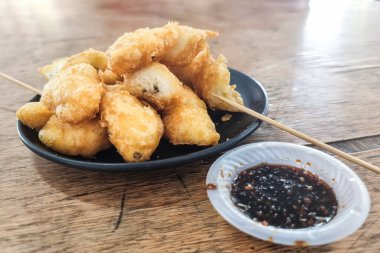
<point x="284" y="196"/>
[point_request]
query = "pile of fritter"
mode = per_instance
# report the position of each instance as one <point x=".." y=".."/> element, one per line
<point x="133" y="94"/>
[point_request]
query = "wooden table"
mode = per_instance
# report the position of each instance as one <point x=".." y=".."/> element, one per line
<point x="319" y="62"/>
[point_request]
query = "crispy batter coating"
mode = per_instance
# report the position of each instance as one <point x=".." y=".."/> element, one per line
<point x="85" y="139"/>
<point x="34" y="114"/>
<point x="155" y="84"/>
<point x="134" y="129"/>
<point x="208" y="76"/>
<point x="74" y="94"/>
<point x="193" y="71"/>
<point x="184" y="114"/>
<point x="52" y="70"/>
<point x="108" y="77"/>
<point x="139" y="48"/>
<point x="187" y="121"/>
<point x="187" y="45"/>
<point x="95" y="58"/>
<point x="216" y="80"/>
<point x="84" y="84"/>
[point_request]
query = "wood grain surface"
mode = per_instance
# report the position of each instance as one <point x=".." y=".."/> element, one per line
<point x="318" y="60"/>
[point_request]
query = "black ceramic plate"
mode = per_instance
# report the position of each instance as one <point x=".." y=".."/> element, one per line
<point x="239" y="127"/>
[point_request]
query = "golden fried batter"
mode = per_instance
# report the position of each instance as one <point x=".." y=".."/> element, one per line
<point x="74" y="94"/>
<point x="85" y="139"/>
<point x="187" y="45"/>
<point x="82" y="85"/>
<point x="134" y="129"/>
<point x="34" y="114"/>
<point x="52" y="70"/>
<point x="187" y="121"/>
<point x="208" y="76"/>
<point x="193" y="71"/>
<point x="155" y="84"/>
<point x="139" y="48"/>
<point x="109" y="77"/>
<point x="95" y="58"/>
<point x="185" y="51"/>
<point x="184" y="114"/>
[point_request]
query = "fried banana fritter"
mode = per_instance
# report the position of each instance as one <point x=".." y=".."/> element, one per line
<point x="155" y="84"/>
<point x="138" y="65"/>
<point x="134" y="129"/>
<point x="85" y="139"/>
<point x="74" y="94"/>
<point x="187" y="121"/>
<point x="185" y="51"/>
<point x="95" y="58"/>
<point x="34" y="114"/>
<point x="185" y="116"/>
<point x="136" y="49"/>
<point x="208" y="76"/>
<point x="187" y="45"/>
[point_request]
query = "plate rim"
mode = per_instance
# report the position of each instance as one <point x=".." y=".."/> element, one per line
<point x="152" y="164"/>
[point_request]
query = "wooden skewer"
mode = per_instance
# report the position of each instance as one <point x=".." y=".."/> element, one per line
<point x="21" y="83"/>
<point x="301" y="135"/>
<point x="261" y="117"/>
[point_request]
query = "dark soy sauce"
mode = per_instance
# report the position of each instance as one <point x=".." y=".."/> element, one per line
<point x="284" y="196"/>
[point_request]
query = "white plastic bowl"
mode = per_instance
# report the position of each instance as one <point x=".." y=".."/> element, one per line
<point x="352" y="195"/>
